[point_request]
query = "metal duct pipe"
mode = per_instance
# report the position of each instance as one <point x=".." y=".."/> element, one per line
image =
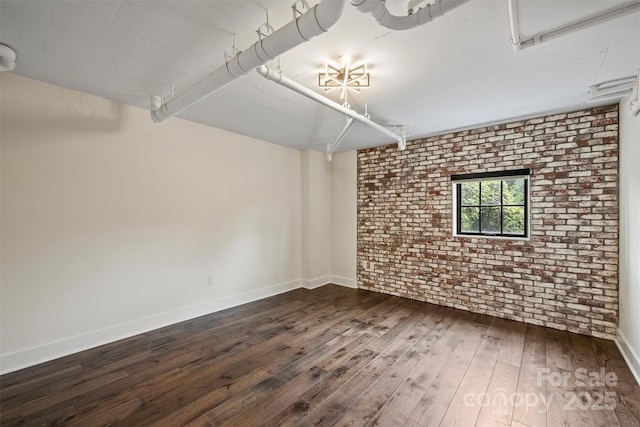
<point x="267" y="73"/>
<point x="312" y="23"/>
<point x="379" y="11"/>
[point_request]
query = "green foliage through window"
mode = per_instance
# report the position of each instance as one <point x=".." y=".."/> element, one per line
<point x="496" y="207"/>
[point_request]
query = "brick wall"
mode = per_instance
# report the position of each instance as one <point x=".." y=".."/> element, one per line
<point x="564" y="277"/>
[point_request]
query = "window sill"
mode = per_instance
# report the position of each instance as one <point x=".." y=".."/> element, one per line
<point x="484" y="236"/>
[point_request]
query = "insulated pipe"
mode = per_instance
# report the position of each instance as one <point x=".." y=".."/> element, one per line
<point x="312" y="23"/>
<point x="412" y="5"/>
<point x="515" y="27"/>
<point x="267" y="73"/>
<point x="331" y="148"/>
<point x="379" y="11"/>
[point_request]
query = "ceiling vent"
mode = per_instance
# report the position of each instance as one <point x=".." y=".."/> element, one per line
<point x="7" y="58"/>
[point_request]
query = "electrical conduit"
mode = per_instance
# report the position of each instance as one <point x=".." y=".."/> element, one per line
<point x="272" y="75"/>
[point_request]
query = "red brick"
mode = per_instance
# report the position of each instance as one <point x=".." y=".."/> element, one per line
<point x="564" y="277"/>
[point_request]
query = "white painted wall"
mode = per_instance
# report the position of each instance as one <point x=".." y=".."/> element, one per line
<point x="316" y="219"/>
<point x="344" y="213"/>
<point x="110" y="224"/>
<point x="629" y="328"/>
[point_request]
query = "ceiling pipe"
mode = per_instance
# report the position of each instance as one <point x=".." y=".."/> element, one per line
<point x="577" y="25"/>
<point x="379" y="11"/>
<point x="412" y="5"/>
<point x="308" y="25"/>
<point x="277" y="77"/>
<point x="332" y="147"/>
<point x="515" y="25"/>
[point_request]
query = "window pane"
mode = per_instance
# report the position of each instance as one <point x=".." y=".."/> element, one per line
<point x="490" y="193"/>
<point x="513" y="192"/>
<point x="494" y="205"/>
<point x="469" y="220"/>
<point x="470" y="193"/>
<point x="490" y="219"/>
<point x="513" y="220"/>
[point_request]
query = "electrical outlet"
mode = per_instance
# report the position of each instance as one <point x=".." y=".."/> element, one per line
<point x="210" y="280"/>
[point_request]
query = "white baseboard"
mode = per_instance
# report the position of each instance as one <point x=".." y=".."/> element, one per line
<point x="316" y="283"/>
<point x="44" y="353"/>
<point x="326" y="280"/>
<point x="343" y="281"/>
<point x="50" y="351"/>
<point x="630" y="356"/>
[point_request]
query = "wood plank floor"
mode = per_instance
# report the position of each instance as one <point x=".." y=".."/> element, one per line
<point x="332" y="356"/>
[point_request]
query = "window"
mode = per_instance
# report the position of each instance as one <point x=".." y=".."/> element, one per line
<point x="492" y="204"/>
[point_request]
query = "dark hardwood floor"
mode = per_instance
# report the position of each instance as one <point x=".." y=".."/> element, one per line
<point x="332" y="356"/>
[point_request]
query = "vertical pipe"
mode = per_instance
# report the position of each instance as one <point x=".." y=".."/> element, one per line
<point x="515" y="27"/>
<point x="634" y="105"/>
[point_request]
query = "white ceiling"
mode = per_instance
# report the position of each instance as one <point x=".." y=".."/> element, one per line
<point x="456" y="72"/>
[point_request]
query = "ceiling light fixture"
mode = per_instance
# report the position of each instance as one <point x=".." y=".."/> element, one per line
<point x="345" y="77"/>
